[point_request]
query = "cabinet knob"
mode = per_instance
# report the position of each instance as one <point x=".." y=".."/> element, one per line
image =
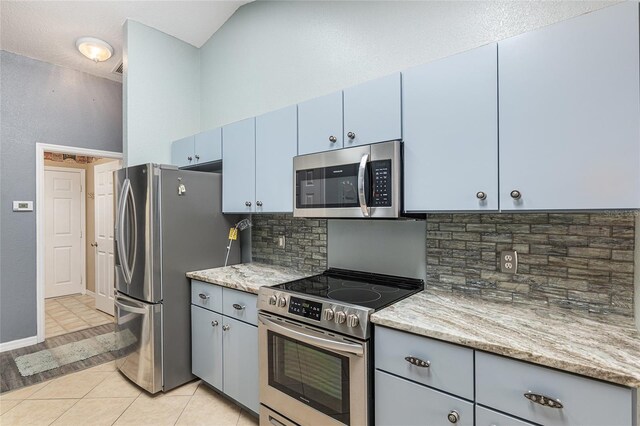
<point x="214" y="323"/>
<point x="225" y="327"/>
<point x="351" y="135"/>
<point x="189" y="158"/>
<point x="197" y="157"/>
<point x="247" y="203"/>
<point x="453" y="416"/>
<point x="480" y="195"/>
<point x="332" y="139"/>
<point x="259" y="203"/>
<point x="515" y="194"/>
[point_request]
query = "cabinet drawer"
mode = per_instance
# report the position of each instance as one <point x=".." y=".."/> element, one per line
<point x="486" y="417"/>
<point x="450" y="366"/>
<point x="401" y="402"/>
<point x="502" y="382"/>
<point x="240" y="305"/>
<point x="208" y="296"/>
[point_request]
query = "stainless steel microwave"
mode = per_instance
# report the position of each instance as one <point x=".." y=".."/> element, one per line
<point x="358" y="182"/>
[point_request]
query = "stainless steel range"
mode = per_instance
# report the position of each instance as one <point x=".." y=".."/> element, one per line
<point x="314" y="340"/>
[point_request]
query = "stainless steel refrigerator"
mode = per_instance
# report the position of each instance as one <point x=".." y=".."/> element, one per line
<point x="168" y="222"/>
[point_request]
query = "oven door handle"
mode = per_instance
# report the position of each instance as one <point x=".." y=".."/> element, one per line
<point x="321" y="342"/>
<point x="362" y="169"/>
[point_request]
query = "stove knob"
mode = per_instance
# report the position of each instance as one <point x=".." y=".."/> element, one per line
<point x="327" y="314"/>
<point x="353" y="321"/>
<point x="282" y="302"/>
<point x="341" y="317"/>
<point x="273" y="300"/>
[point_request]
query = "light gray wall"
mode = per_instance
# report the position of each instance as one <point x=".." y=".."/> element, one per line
<point x="42" y="103"/>
<point x="161" y="92"/>
<point x="271" y="54"/>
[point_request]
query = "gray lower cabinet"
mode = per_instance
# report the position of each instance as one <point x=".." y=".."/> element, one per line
<point x="502" y="383"/>
<point x="240" y="353"/>
<point x="401" y="402"/>
<point x="487" y="417"/>
<point x="206" y="345"/>
<point x="225" y="349"/>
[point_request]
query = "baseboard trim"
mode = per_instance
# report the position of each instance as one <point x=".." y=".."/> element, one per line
<point x="89" y="292"/>
<point x="20" y="343"/>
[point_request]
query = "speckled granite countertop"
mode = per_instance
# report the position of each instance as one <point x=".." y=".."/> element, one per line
<point x="248" y="277"/>
<point x="544" y="336"/>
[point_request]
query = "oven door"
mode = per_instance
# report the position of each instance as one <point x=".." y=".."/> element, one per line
<point x="310" y="376"/>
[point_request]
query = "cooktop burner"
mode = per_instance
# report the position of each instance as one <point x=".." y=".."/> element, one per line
<point x="373" y="291"/>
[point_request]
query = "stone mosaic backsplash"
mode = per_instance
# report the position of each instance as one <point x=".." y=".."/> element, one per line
<point x="577" y="261"/>
<point x="306" y="241"/>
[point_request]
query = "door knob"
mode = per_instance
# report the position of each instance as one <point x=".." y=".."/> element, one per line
<point x="351" y="135"/>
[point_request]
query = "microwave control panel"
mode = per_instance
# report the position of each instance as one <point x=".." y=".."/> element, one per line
<point x="381" y="174"/>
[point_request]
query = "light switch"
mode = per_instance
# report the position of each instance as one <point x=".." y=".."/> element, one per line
<point x="281" y="241"/>
<point x="509" y="261"/>
<point x="23" y="206"/>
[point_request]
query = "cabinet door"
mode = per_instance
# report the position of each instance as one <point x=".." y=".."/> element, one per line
<point x="276" y="145"/>
<point x="320" y="124"/>
<point x="401" y="402"/>
<point x="450" y="129"/>
<point x="206" y="346"/>
<point x="239" y="167"/>
<point x="372" y="112"/>
<point x="208" y="146"/>
<point x="240" y="342"/>
<point x="569" y="108"/>
<point x="182" y="152"/>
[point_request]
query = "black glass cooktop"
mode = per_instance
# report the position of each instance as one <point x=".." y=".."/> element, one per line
<point x="358" y="288"/>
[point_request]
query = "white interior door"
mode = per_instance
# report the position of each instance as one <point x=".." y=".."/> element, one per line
<point x="64" y="229"/>
<point x="104" y="223"/>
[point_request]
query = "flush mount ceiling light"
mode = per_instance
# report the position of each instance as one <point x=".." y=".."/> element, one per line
<point x="95" y="49"/>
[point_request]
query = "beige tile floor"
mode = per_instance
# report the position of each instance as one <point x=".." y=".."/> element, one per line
<point x="72" y="313"/>
<point x="102" y="396"/>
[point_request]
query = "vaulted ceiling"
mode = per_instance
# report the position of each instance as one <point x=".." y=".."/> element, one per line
<point x="48" y="30"/>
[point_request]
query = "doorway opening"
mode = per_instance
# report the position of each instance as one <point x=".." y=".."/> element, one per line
<point x="74" y="210"/>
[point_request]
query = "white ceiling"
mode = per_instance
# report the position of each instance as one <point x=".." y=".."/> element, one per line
<point x="47" y="30"/>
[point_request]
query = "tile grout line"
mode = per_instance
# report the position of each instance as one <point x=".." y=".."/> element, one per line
<point x="125" y="410"/>
<point x="185" y="406"/>
<point x="63" y="413"/>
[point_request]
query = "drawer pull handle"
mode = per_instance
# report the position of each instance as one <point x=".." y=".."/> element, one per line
<point x="543" y="400"/>
<point x="204" y="296"/>
<point x="417" y="362"/>
<point x="238" y="306"/>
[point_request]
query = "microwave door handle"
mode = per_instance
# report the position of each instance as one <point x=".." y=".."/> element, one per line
<point x="321" y="342"/>
<point x="362" y="169"/>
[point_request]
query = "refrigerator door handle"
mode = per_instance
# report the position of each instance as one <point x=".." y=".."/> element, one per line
<point x="122" y="210"/>
<point x="120" y="303"/>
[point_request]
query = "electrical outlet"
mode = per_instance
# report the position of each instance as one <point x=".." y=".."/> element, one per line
<point x="509" y="261"/>
<point x="281" y="241"/>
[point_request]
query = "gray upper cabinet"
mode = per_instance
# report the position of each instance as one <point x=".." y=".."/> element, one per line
<point x="372" y="112"/>
<point x="320" y="124"/>
<point x="182" y="152"/>
<point x="208" y="146"/>
<point x="238" y="167"/>
<point x="450" y="129"/>
<point x="569" y="114"/>
<point x="276" y="145"/>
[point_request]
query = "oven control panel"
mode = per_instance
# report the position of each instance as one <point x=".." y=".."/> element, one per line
<point x="381" y="173"/>
<point x="343" y="318"/>
<point x="305" y="308"/>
